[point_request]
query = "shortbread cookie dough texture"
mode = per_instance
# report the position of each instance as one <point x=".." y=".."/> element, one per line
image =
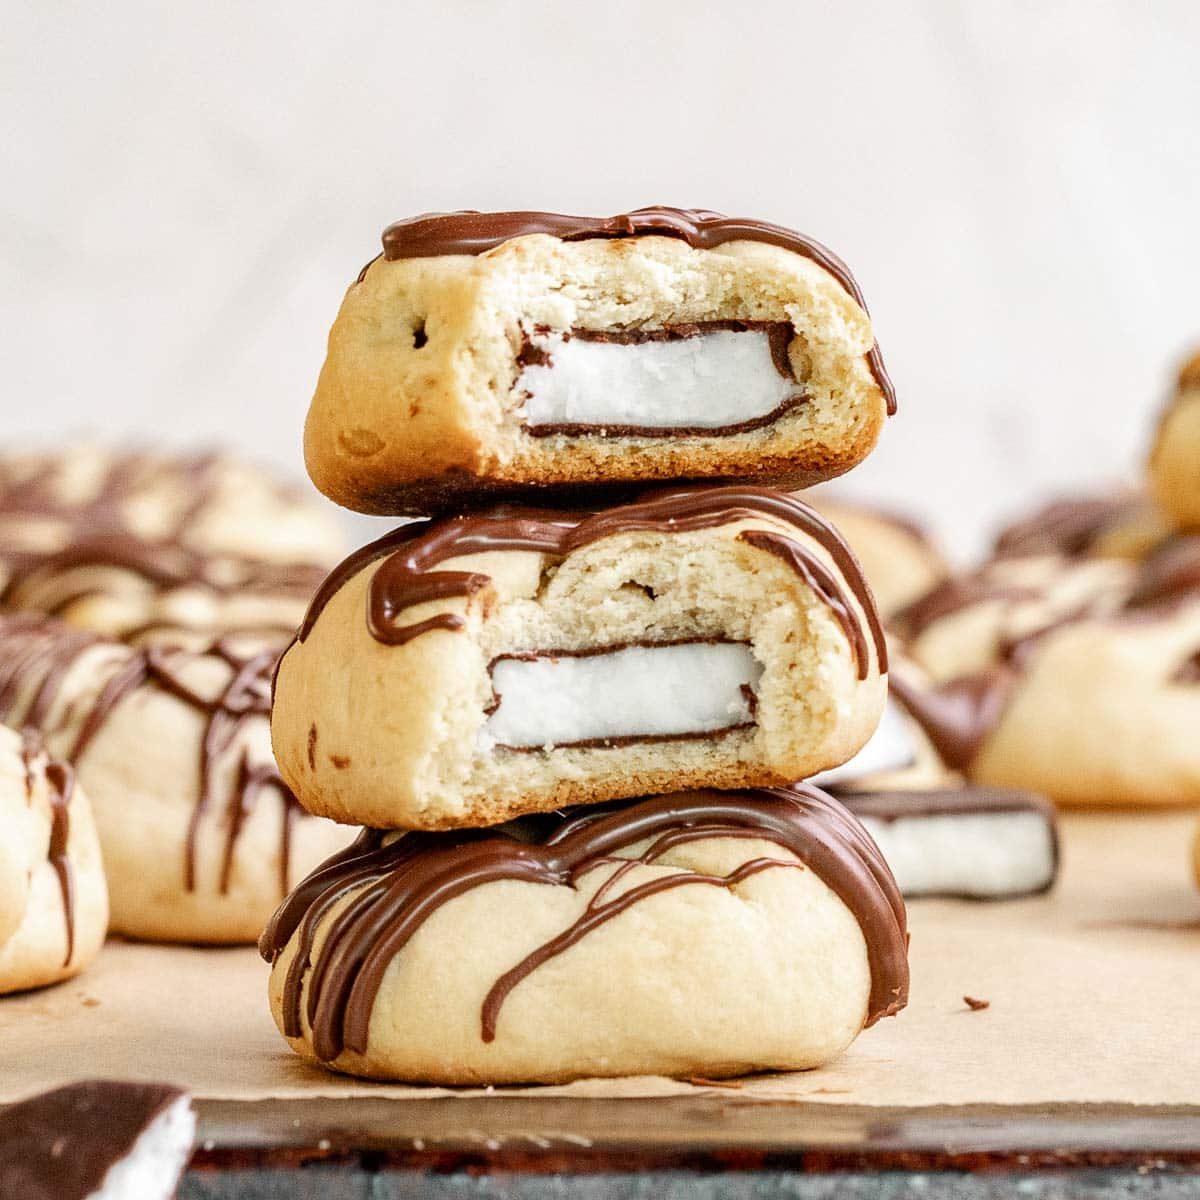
<point x="1175" y="457"/>
<point x="510" y="352"/>
<point x="463" y="671"/>
<point x="709" y="933"/>
<point x="201" y="837"/>
<point x="149" y="547"/>
<point x="53" y="904"/>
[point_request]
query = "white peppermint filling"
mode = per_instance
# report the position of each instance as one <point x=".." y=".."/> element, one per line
<point x="889" y="749"/>
<point x="634" y="692"/>
<point x="706" y="381"/>
<point x="151" y="1169"/>
<point x="983" y="855"/>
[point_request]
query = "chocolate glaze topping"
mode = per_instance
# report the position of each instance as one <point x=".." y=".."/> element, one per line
<point x="61" y="1145"/>
<point x="36" y="656"/>
<point x="466" y="232"/>
<point x="60" y="787"/>
<point x="406" y="577"/>
<point x="394" y="885"/>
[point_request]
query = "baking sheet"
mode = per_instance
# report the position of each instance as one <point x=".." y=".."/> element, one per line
<point x="1093" y="996"/>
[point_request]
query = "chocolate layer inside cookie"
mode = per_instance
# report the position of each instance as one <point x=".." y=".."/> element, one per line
<point x="618" y="694"/>
<point x="701" y="378"/>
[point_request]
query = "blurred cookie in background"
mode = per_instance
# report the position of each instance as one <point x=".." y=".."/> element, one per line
<point x="138" y="545"/>
<point x="201" y="838"/>
<point x="1120" y="523"/>
<point x="1175" y="455"/>
<point x="1076" y="678"/>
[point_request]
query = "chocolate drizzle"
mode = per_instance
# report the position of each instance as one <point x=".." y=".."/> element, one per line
<point x="96" y="534"/>
<point x="393" y="884"/>
<point x="60" y="787"/>
<point x="1069" y="527"/>
<point x="1168" y="576"/>
<point x="36" y="656"/>
<point x="959" y="715"/>
<point x="405" y="577"/>
<point x="475" y="233"/>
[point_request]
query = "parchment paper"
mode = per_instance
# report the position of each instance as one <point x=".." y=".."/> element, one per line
<point x="1093" y="991"/>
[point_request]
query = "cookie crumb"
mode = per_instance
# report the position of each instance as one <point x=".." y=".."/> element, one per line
<point x="700" y="1081"/>
<point x="975" y="1005"/>
<point x="90" y="1002"/>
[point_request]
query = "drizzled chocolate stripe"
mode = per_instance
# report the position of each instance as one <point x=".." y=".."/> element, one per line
<point x="60" y="787"/>
<point x="405" y="577"/>
<point x="467" y="232"/>
<point x="96" y="534"/>
<point x="394" y="886"/>
<point x="37" y="655"/>
<point x="1068" y="527"/>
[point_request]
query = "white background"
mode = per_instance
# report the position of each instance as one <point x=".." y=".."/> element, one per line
<point x="187" y="189"/>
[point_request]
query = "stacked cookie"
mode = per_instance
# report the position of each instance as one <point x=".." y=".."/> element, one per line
<point x="569" y="710"/>
<point x="144" y="599"/>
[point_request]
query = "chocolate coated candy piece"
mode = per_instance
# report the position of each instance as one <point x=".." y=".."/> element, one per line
<point x="125" y="1141"/>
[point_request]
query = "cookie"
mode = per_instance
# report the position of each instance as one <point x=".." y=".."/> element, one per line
<point x="97" y="1140"/>
<point x="971" y="620"/>
<point x="898" y="557"/>
<point x="53" y="904"/>
<point x="148" y="547"/>
<point x="1090" y="695"/>
<point x="1175" y="456"/>
<point x="200" y="835"/>
<point x="707" y="933"/>
<point x="967" y="842"/>
<point x="1122" y="523"/>
<point x="497" y="353"/>
<point x="463" y="671"/>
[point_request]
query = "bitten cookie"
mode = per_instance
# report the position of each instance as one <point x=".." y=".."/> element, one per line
<point x="100" y="1139"/>
<point x="708" y="933"/>
<point x="974" y="843"/>
<point x="1175" y="457"/>
<point x="53" y="904"/>
<point x="1090" y="694"/>
<point x="200" y="836"/>
<point x="502" y="352"/>
<point x="148" y="547"/>
<point x="464" y="671"/>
